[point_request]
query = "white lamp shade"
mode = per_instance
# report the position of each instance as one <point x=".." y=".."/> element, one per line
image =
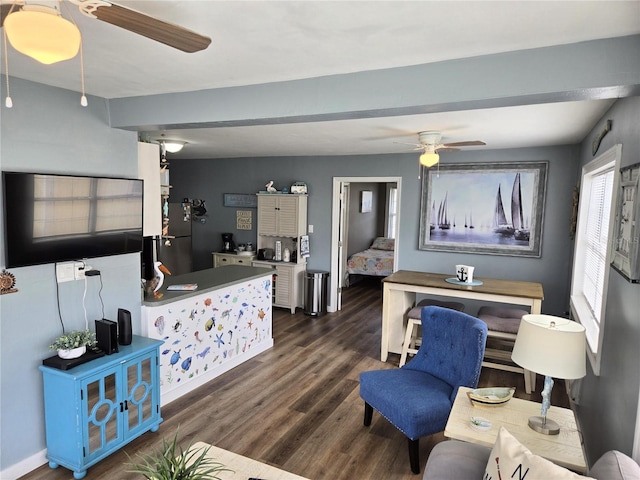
<point x="551" y="346"/>
<point x="43" y="36"/>
<point x="173" y="146"/>
<point x="429" y="159"/>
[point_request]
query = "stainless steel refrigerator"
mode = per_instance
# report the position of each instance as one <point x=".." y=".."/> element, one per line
<point x="175" y="251"/>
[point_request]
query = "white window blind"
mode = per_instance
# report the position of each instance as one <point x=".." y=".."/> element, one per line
<point x="596" y="240"/>
<point x="591" y="268"/>
<point x="393" y="213"/>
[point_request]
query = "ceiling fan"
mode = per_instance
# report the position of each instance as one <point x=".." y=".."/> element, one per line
<point x="430" y="145"/>
<point x="164" y="32"/>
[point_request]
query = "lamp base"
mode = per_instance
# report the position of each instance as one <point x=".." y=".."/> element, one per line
<point x="544" y="425"/>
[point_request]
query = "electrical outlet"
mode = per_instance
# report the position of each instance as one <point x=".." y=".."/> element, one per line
<point x="79" y="269"/>
<point x="65" y="272"/>
<point x="310" y="228"/>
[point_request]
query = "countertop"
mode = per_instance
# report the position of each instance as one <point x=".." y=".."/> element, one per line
<point x="207" y="280"/>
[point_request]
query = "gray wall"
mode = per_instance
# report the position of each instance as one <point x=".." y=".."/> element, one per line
<point x="608" y="403"/>
<point x="210" y="179"/>
<point x="48" y="131"/>
<point x="363" y="226"/>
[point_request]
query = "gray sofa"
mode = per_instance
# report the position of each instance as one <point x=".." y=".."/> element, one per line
<point x="455" y="460"/>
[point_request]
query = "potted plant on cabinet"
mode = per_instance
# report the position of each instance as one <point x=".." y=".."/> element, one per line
<point x="73" y="344"/>
<point x="172" y="463"/>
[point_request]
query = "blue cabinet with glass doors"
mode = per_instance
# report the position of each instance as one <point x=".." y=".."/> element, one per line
<point x="95" y="408"/>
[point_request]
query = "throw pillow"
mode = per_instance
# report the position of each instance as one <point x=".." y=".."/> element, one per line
<point x="511" y="460"/>
<point x="381" y="243"/>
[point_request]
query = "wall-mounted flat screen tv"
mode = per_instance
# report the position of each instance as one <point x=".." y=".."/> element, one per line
<point x="55" y="218"/>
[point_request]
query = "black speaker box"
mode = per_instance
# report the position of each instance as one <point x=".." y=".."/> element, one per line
<point x="124" y="327"/>
<point x="107" y="336"/>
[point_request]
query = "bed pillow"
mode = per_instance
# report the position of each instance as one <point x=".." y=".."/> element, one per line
<point x="510" y="459"/>
<point x="382" y="243"/>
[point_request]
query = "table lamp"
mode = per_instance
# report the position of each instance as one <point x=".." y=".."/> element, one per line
<point x="553" y="347"/>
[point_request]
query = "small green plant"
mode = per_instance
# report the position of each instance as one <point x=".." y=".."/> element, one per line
<point x="172" y="463"/>
<point x="75" y="339"/>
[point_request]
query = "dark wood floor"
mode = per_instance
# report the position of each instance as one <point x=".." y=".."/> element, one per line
<point x="297" y="405"/>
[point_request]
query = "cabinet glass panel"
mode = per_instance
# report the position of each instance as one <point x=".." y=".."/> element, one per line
<point x="139" y="393"/>
<point x="101" y="412"/>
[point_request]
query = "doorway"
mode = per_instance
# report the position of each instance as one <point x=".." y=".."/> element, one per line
<point x="342" y="188"/>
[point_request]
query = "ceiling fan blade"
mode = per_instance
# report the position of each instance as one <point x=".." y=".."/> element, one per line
<point x="416" y="146"/>
<point x="447" y="149"/>
<point x="164" y="32"/>
<point x="469" y="143"/>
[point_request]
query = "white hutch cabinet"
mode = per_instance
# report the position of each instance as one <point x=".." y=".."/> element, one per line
<point x="283" y="218"/>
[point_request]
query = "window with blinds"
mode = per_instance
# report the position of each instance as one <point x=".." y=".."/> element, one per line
<point x="596" y="236"/>
<point x="592" y="248"/>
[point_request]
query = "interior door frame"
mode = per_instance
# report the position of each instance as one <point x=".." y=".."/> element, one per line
<point x="335" y="228"/>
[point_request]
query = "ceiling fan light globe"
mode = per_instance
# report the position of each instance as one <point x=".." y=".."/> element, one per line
<point x="43" y="36"/>
<point x="173" y="146"/>
<point x="429" y="159"/>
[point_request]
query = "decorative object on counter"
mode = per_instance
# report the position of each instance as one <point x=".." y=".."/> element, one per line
<point x="464" y="273"/>
<point x="152" y="285"/>
<point x="73" y="344"/>
<point x="270" y="187"/>
<point x="553" y="347"/>
<point x="286" y="255"/>
<point x="626" y="247"/>
<point x="299" y="188"/>
<point x="278" y="251"/>
<point x="7" y="282"/>
<point x="491" y="396"/>
<point x="172" y="462"/>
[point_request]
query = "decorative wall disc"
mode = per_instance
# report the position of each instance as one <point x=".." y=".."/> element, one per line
<point x="7" y="282"/>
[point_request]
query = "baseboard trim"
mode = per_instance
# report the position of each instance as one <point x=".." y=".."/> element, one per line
<point x="25" y="466"/>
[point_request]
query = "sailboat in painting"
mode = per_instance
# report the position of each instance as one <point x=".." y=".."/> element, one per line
<point x="443" y="221"/>
<point x="500" y="224"/>
<point x="432" y="223"/>
<point x="517" y="218"/>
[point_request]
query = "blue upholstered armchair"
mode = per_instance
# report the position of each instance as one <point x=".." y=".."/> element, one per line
<point x="418" y="397"/>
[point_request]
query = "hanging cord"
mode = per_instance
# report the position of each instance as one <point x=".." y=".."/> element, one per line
<point x="100" y="295"/>
<point x="84" y="296"/>
<point x="55" y="269"/>
<point x="8" y="102"/>
<point x="83" y="98"/>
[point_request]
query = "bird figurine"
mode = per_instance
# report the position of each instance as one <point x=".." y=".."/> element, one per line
<point x="152" y="285"/>
<point x="270" y="187"/>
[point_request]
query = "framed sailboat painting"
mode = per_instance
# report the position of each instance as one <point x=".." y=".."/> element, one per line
<point x="488" y="208"/>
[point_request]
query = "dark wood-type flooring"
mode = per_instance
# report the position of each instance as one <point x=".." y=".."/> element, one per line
<point x="297" y="405"/>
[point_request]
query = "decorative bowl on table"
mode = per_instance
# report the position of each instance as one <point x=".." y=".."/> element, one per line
<point x="491" y="396"/>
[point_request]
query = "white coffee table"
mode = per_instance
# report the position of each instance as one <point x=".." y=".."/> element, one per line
<point x="243" y="467"/>
<point x="563" y="449"/>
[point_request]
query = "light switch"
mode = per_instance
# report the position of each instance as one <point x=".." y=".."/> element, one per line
<point x="310" y="228"/>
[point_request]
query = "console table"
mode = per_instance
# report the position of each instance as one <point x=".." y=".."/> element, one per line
<point x="399" y="296"/>
<point x="564" y="449"/>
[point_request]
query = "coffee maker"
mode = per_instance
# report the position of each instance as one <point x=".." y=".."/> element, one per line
<point x="227" y="243"/>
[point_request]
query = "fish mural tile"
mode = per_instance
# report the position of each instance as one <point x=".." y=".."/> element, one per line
<point x="203" y="332"/>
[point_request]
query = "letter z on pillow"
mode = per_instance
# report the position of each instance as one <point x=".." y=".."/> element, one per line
<point x="511" y="460"/>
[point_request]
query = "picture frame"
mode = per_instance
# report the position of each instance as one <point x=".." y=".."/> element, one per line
<point x="366" y="200"/>
<point x="467" y="208"/>
<point x="626" y="239"/>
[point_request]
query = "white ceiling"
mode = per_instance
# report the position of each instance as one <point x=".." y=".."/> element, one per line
<point x="256" y="42"/>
